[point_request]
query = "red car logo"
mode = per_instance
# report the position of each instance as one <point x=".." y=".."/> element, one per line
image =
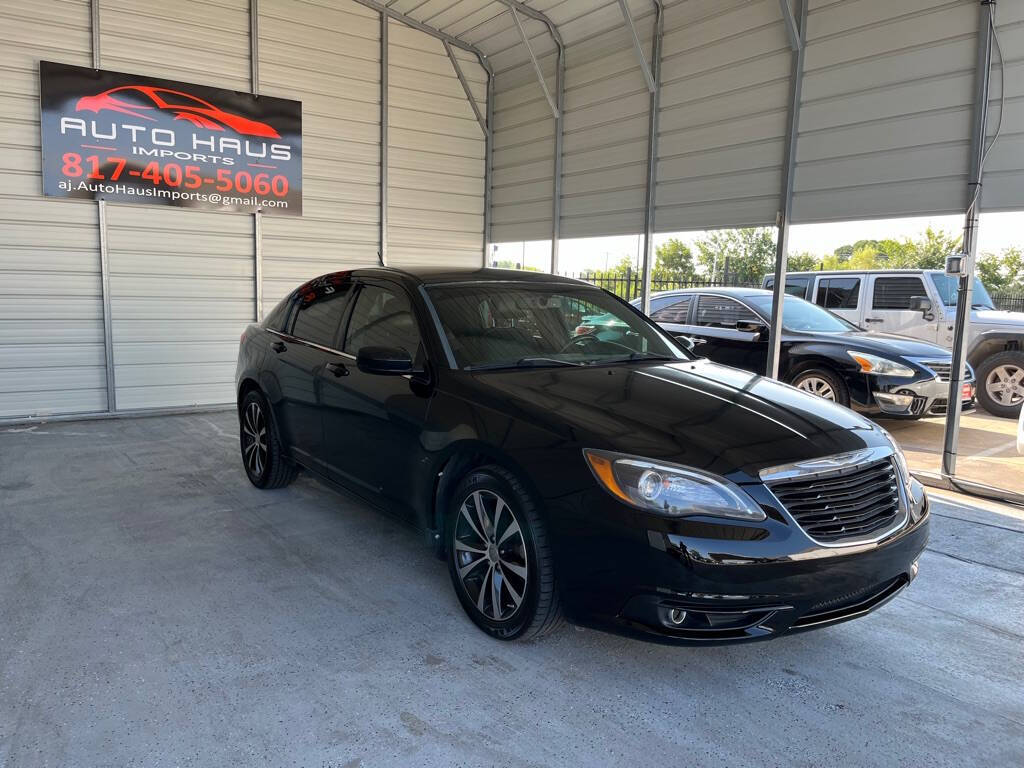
<point x="184" y="106"/>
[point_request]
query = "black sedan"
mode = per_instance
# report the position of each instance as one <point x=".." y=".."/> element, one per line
<point x="821" y="353"/>
<point x="612" y="479"/>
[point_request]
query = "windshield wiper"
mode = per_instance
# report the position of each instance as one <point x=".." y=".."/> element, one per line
<point x="525" y="362"/>
<point x="631" y="357"/>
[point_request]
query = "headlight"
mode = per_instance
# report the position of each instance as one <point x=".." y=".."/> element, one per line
<point x="669" y="489"/>
<point x="879" y="365"/>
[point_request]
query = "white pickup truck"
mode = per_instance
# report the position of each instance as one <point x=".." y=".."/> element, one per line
<point x="921" y="303"/>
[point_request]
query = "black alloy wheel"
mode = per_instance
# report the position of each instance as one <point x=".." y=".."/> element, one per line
<point x="499" y="559"/>
<point x="262" y="457"/>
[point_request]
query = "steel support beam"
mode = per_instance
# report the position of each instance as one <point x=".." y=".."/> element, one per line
<point x="637" y="47"/>
<point x="795" y="39"/>
<point x="786" y="201"/>
<point x="257" y="217"/>
<point x="556" y="212"/>
<point x="982" y="82"/>
<point x="488" y="168"/>
<point x="465" y="86"/>
<point x="652" y="158"/>
<point x="426" y="29"/>
<point x="101" y="223"/>
<point x="382" y="253"/>
<point x="555" y="111"/>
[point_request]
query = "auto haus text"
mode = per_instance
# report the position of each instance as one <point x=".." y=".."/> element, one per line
<point x="164" y="142"/>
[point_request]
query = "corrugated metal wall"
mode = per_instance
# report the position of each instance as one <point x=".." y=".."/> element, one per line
<point x="326" y="55"/>
<point x="435" y="153"/>
<point x="181" y="281"/>
<point x="885" y="119"/>
<point x="51" y="308"/>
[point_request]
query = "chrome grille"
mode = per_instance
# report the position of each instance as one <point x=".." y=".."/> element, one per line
<point x="941" y="369"/>
<point x="854" y="503"/>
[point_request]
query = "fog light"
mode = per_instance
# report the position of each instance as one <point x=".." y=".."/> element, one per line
<point x="893" y="403"/>
<point x="677" y="616"/>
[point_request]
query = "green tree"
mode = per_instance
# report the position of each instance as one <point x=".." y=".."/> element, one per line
<point x="748" y="253"/>
<point x="674" y="261"/>
<point x="1002" y="272"/>
<point x="803" y="261"/>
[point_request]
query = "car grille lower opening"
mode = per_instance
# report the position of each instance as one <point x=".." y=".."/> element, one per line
<point x="850" y="504"/>
<point x="853" y="605"/>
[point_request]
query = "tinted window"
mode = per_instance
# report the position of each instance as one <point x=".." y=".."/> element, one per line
<point x="496" y="325"/>
<point x="277" y="320"/>
<point x="896" y="292"/>
<point x="382" y="317"/>
<point x="795" y="286"/>
<point x="320" y="309"/>
<point x="839" y="292"/>
<point x="676" y="312"/>
<point x="722" y="312"/>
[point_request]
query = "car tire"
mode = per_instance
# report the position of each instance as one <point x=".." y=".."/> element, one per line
<point x="262" y="455"/>
<point x="499" y="556"/>
<point x="996" y="371"/>
<point x="822" y="382"/>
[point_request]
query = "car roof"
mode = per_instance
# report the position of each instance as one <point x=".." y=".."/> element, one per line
<point x="724" y="290"/>
<point x="434" y="275"/>
<point x="850" y="272"/>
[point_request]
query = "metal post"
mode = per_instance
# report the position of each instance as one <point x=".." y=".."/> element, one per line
<point x="652" y="158"/>
<point x="982" y="76"/>
<point x="101" y="223"/>
<point x="782" y="219"/>
<point x="465" y="86"/>
<point x="257" y="217"/>
<point x="555" y="111"/>
<point x="638" y="49"/>
<point x="382" y="254"/>
<point x="488" y="162"/>
<point x="556" y="213"/>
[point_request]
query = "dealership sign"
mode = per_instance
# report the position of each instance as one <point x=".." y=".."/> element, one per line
<point x="131" y="139"/>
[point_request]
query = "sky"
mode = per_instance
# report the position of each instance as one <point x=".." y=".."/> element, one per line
<point x="997" y="232"/>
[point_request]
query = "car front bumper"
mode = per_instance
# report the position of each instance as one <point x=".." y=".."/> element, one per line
<point x="732" y="586"/>
<point x="923" y="397"/>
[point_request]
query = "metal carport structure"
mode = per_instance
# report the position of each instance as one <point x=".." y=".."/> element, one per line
<point x="577" y="118"/>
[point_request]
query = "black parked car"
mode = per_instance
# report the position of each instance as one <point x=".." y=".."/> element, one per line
<point x="617" y="481"/>
<point x="821" y="353"/>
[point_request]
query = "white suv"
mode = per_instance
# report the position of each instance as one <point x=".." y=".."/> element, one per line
<point x="921" y="303"/>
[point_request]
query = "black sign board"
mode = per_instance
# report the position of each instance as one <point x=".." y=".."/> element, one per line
<point x="132" y="139"/>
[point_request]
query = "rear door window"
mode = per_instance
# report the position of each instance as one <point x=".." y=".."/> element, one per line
<point x="319" y="313"/>
<point x="723" y="312"/>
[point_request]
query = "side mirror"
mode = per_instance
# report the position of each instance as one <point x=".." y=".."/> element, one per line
<point x="384" y="361"/>
<point x="921" y="304"/>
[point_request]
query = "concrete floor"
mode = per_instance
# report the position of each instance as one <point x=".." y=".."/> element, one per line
<point x="157" y="610"/>
<point x="987" y="452"/>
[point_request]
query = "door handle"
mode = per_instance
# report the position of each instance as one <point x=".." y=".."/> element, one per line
<point x="873" y="320"/>
<point x="338" y="369"/>
<point x="278" y="346"/>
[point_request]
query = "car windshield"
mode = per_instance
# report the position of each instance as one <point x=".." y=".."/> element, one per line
<point x="800" y="315"/>
<point x="510" y="325"/>
<point x="948" y="287"/>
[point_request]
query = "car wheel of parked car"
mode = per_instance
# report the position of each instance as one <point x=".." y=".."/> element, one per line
<point x="1001" y="383"/>
<point x="499" y="557"/>
<point x="262" y="455"/>
<point x="823" y="383"/>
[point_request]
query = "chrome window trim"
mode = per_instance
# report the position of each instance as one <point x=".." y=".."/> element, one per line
<point x="834" y="465"/>
<point x="313" y="344"/>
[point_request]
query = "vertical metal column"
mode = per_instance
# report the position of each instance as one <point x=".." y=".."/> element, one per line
<point x="257" y="217"/>
<point x="101" y="222"/>
<point x="382" y="254"/>
<point x="488" y="160"/>
<point x="782" y="220"/>
<point x="556" y="213"/>
<point x="986" y="20"/>
<point x="652" y="158"/>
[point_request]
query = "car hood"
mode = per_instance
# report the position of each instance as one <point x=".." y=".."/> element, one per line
<point x="887" y="344"/>
<point x="696" y="413"/>
<point x="989" y="317"/>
